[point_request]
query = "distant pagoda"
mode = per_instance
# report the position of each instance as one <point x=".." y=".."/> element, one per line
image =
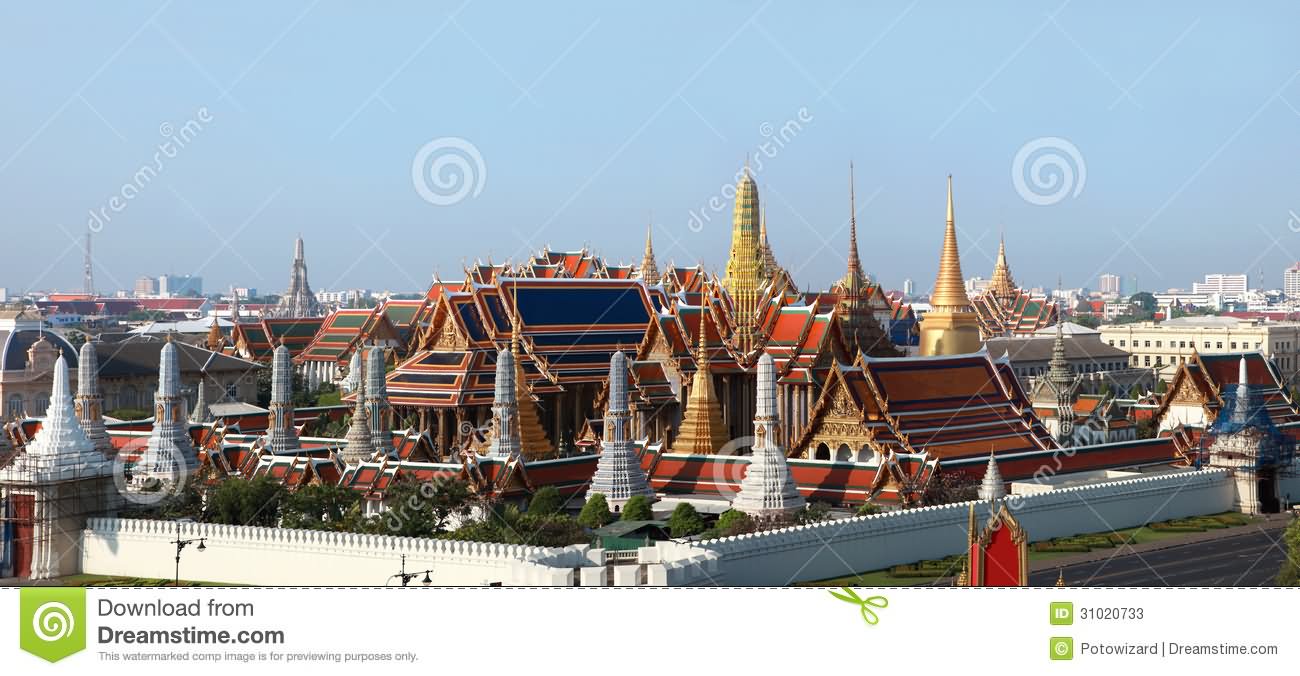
<point x="298" y="300"/>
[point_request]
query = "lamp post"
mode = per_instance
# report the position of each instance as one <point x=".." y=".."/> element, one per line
<point x="182" y="544"/>
<point x="407" y="577"/>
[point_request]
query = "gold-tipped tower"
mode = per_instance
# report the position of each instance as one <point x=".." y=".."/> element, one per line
<point x="745" y="265"/>
<point x="701" y="431"/>
<point x="951" y="326"/>
<point x="1002" y="285"/>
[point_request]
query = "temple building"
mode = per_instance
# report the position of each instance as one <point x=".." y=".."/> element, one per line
<point x="298" y="300"/>
<point x="27" y="354"/>
<point x="1057" y="392"/>
<point x="951" y="326"/>
<point x="1005" y="309"/>
<point x="1244" y="439"/>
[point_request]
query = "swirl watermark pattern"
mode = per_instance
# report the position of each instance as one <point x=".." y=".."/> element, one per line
<point x="446" y="170"/>
<point x="1047" y="170"/>
<point x="148" y="477"/>
<point x="53" y="621"/>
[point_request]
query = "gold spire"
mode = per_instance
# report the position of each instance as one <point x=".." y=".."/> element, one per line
<point x="534" y="442"/>
<point x="1002" y="285"/>
<point x="701" y="431"/>
<point x="215" y="338"/>
<point x="854" y="279"/>
<point x="951" y="326"/>
<point x="745" y="263"/>
<point x="649" y="271"/>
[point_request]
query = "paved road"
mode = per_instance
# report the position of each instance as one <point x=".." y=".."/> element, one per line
<point x="1248" y="560"/>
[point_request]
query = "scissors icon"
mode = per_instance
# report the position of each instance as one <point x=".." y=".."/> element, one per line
<point x="866" y="604"/>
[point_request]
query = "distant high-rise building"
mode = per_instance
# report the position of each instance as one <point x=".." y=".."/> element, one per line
<point x="171" y="286"/>
<point x="1108" y="283"/>
<point x="1225" y="284"/>
<point x="909" y="287"/>
<point x="146" y="286"/>
<point x="1291" y="281"/>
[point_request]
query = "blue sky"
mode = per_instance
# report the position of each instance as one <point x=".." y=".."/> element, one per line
<point x="592" y="120"/>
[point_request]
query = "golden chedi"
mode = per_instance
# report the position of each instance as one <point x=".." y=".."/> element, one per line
<point x="951" y="326"/>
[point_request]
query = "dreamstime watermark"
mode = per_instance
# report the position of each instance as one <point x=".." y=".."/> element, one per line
<point x="1293" y="221"/>
<point x="175" y="140"/>
<point x="447" y="170"/>
<point x="775" y="140"/>
<point x="148" y="476"/>
<point x="1047" y="170"/>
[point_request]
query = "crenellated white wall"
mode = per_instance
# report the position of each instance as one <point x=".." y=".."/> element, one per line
<point x="843" y="547"/>
<point x="278" y="556"/>
<point x="282" y="556"/>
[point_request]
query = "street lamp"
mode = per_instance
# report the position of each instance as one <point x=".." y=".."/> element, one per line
<point x="407" y="577"/>
<point x="180" y="545"/>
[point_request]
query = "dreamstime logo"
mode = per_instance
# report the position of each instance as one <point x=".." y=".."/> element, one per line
<point x="1047" y="170"/>
<point x="1293" y="222"/>
<point x="730" y="465"/>
<point x="447" y="170"/>
<point x="52" y="621"/>
<point x="775" y="140"/>
<point x="147" y="477"/>
<point x="174" y="140"/>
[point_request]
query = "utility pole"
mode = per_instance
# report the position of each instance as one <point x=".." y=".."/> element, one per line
<point x="88" y="283"/>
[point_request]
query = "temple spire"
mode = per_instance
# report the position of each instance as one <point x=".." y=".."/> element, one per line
<point x="169" y="455"/>
<point x="505" y="410"/>
<point x="745" y="269"/>
<point x="701" y="430"/>
<point x="951" y="326"/>
<point x="649" y="271"/>
<point x="992" y="488"/>
<point x="202" y="414"/>
<point x="357" y="447"/>
<point x="377" y="401"/>
<point x="854" y="277"/>
<point x="618" y="476"/>
<point x="535" y="443"/>
<point x="768" y="488"/>
<point x="1001" y="284"/>
<point x="282" y="436"/>
<point x="89" y="403"/>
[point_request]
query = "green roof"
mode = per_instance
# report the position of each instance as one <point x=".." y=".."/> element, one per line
<point x="622" y="528"/>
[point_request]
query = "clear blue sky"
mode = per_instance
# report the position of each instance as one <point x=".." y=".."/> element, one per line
<point x="591" y="118"/>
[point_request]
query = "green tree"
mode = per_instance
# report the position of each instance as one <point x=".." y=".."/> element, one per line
<point x="424" y="508"/>
<point x="318" y="507"/>
<point x="733" y="522"/>
<point x="1289" y="575"/>
<point x="547" y="500"/>
<point x="596" y="512"/>
<point x="869" y="508"/>
<point x="1144" y="304"/>
<point x="685" y="521"/>
<point x="813" y="513"/>
<point x="638" y="509"/>
<point x="246" y="503"/>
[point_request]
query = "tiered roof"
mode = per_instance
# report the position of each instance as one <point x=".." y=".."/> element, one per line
<point x="344" y="330"/>
<point x="1205" y="377"/>
<point x="256" y="340"/>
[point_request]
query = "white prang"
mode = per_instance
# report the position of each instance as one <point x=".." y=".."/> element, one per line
<point x="170" y="453"/>
<point x="354" y="379"/>
<point x="505" y="410"/>
<point x="992" y="488"/>
<point x="89" y="403"/>
<point x="618" y="476"/>
<point x="768" y="488"/>
<point x="282" y="436"/>
<point x="61" y="450"/>
<point x="377" y="402"/>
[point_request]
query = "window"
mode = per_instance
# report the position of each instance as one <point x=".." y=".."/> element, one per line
<point x="41" y="405"/>
<point x="1207" y="344"/>
<point x="1234" y="344"/>
<point x="1146" y="361"/>
<point x="1112" y="343"/>
<point x="1218" y="345"/>
<point x="232" y="391"/>
<point x="15" y="406"/>
<point x="1146" y="343"/>
<point x="1157" y="343"/>
<point x="1121" y="343"/>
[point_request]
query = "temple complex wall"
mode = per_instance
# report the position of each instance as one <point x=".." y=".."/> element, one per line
<point x="861" y="544"/>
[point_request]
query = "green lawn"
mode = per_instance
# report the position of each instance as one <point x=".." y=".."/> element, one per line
<point x="914" y="574"/>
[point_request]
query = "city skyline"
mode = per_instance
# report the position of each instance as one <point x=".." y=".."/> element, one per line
<point x="578" y="150"/>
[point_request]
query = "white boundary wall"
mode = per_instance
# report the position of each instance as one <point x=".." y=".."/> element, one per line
<point x="847" y="546"/>
<point x="282" y="556"/>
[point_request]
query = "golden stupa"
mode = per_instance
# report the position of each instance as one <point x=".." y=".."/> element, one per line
<point x="745" y="265"/>
<point x="534" y="442"/>
<point x="951" y="326"/>
<point x="701" y="431"/>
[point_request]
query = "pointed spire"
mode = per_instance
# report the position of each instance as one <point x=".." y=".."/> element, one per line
<point x="855" y="265"/>
<point x="169" y="455"/>
<point x="745" y="269"/>
<point x="768" y="488"/>
<point x="355" y="380"/>
<point x="649" y="271"/>
<point x="992" y="488"/>
<point x="701" y="430"/>
<point x="61" y="443"/>
<point x="215" y="338"/>
<point x="282" y="435"/>
<point x="377" y="401"/>
<point x="534" y="442"/>
<point x="357" y="447"/>
<point x="950" y="286"/>
<point x="618" y="476"/>
<point x="89" y="403"/>
<point x="1001" y="284"/>
<point x="202" y="414"/>
<point x="505" y="410"/>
